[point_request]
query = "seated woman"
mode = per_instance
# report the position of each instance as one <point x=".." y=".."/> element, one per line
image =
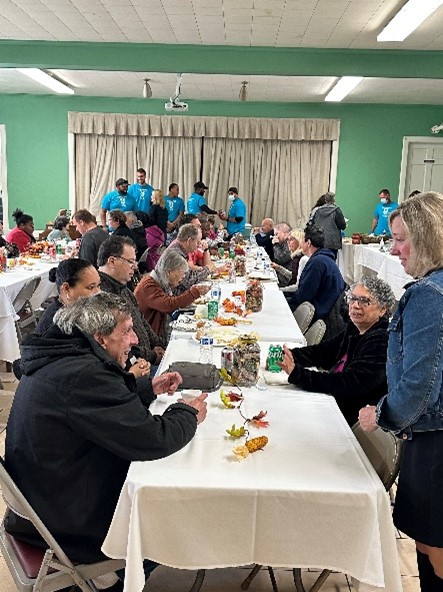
<point x="154" y="292"/>
<point x="298" y="261"/>
<point x="158" y="212"/>
<point x="60" y="230"/>
<point x="22" y="234"/>
<point x="355" y="359"/>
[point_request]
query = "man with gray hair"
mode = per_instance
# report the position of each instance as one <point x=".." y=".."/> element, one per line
<point x="186" y="242"/>
<point x="282" y="253"/>
<point x="78" y="420"/>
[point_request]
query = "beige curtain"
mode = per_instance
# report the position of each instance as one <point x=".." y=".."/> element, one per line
<point x="279" y="179"/>
<point x="281" y="166"/>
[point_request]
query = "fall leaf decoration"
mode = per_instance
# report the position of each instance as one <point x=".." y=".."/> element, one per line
<point x="225" y="375"/>
<point x="229" y="398"/>
<point x="235" y="432"/>
<point x="241" y="452"/>
<point x="258" y="420"/>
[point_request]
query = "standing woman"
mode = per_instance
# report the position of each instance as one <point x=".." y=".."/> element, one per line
<point x="22" y="234"/>
<point x="413" y="407"/>
<point x="158" y="212"/>
<point x="329" y="216"/>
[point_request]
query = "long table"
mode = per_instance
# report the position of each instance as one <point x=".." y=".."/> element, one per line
<point x="11" y="282"/>
<point x="355" y="261"/>
<point x="309" y="499"/>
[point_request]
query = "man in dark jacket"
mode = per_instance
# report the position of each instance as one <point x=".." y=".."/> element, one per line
<point x="117" y="263"/>
<point x="78" y="420"/>
<point x="321" y="282"/>
<point x="264" y="236"/>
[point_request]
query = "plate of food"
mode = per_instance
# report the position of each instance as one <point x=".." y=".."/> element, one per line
<point x="222" y="335"/>
<point x="260" y="275"/>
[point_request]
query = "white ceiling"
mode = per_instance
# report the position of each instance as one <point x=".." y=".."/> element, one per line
<point x="352" y="24"/>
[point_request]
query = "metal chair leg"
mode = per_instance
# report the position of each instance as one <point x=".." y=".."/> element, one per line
<point x="247" y="581"/>
<point x="317" y="584"/>
<point x="198" y="580"/>
<point x="273" y="580"/>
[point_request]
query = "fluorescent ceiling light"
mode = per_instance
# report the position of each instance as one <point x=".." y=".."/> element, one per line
<point x="47" y="80"/>
<point x="343" y="88"/>
<point x="409" y="18"/>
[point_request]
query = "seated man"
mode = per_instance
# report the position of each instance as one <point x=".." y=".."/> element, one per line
<point x="117" y="263"/>
<point x="92" y="235"/>
<point x="282" y="254"/>
<point x="78" y="420"/>
<point x="264" y="236"/>
<point x="355" y="358"/>
<point x="321" y="282"/>
<point x="186" y="242"/>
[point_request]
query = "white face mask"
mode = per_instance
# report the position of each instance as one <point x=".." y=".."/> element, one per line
<point x="383" y="200"/>
<point x="231" y="197"/>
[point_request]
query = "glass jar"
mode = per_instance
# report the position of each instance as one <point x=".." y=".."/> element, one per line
<point x="254" y="296"/>
<point x="245" y="361"/>
<point x="240" y="265"/>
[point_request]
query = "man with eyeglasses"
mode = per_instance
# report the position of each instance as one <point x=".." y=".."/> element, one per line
<point x="117" y="264"/>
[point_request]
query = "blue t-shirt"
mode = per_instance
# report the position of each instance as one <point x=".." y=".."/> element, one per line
<point x="174" y="205"/>
<point x="142" y="195"/>
<point x="116" y="201"/>
<point x="382" y="212"/>
<point x="237" y="210"/>
<point x="195" y="202"/>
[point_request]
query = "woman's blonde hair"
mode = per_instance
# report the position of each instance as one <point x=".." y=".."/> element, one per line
<point x="299" y="235"/>
<point x="422" y="216"/>
<point x="159" y="198"/>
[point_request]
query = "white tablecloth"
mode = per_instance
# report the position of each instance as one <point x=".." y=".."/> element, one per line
<point x="357" y="260"/>
<point x="11" y="283"/>
<point x="309" y="499"/>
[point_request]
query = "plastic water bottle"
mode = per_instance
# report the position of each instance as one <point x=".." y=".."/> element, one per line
<point x="252" y="239"/>
<point x="216" y="292"/>
<point x="206" y="346"/>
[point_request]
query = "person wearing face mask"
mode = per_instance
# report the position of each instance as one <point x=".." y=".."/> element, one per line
<point x="236" y="216"/>
<point x="197" y="200"/>
<point x="380" y="223"/>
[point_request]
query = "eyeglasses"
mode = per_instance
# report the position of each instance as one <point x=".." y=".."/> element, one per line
<point x="132" y="262"/>
<point x="361" y="300"/>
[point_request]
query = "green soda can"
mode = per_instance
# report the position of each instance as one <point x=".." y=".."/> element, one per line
<point x="221" y="252"/>
<point x="212" y="309"/>
<point x="275" y="354"/>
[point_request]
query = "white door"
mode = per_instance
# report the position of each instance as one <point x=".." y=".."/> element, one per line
<point x="424" y="166"/>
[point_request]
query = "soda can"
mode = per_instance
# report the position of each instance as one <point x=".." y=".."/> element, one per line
<point x="212" y="309"/>
<point x="227" y="358"/>
<point x="216" y="293"/>
<point x="221" y="252"/>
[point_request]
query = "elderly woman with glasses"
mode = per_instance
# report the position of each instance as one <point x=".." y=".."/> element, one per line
<point x="155" y="291"/>
<point x="354" y="360"/>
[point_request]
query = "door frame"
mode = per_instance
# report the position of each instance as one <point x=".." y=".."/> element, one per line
<point x="407" y="141"/>
<point x="4" y="178"/>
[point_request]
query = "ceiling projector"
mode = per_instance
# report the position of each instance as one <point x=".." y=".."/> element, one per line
<point x="176" y="106"/>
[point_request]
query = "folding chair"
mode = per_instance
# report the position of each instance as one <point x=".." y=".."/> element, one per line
<point x="315" y="332"/>
<point x="304" y="314"/>
<point x="383" y="450"/>
<point x="38" y="570"/>
<point x="23" y="307"/>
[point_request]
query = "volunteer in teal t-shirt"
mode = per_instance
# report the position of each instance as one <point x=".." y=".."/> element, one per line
<point x="236" y="216"/>
<point x="380" y="223"/>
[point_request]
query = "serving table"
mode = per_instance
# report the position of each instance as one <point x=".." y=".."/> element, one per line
<point x="11" y="282"/>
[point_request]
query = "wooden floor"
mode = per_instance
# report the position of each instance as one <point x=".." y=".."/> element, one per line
<point x="166" y="579"/>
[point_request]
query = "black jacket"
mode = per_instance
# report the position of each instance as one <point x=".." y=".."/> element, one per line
<point x="77" y="421"/>
<point x="363" y="379"/>
<point x="266" y="242"/>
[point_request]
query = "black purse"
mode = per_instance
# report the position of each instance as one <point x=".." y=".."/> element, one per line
<point x="205" y="377"/>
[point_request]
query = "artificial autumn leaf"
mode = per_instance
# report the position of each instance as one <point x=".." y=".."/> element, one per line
<point x="225" y="375"/>
<point x="258" y="422"/>
<point x="236" y="432"/>
<point x="225" y="400"/>
<point x="234" y="397"/>
<point x="256" y="443"/>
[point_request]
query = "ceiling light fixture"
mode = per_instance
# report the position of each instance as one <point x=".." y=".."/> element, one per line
<point x="243" y="94"/>
<point x="343" y="88"/>
<point x="147" y="90"/>
<point x="48" y="80"/>
<point x="409" y="18"/>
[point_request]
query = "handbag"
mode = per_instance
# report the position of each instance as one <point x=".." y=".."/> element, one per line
<point x="205" y="377"/>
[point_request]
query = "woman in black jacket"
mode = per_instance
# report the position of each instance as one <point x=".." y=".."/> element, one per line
<point x="354" y="360"/>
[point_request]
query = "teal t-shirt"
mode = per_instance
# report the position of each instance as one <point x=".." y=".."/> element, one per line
<point x="237" y="210"/>
<point x="142" y="195"/>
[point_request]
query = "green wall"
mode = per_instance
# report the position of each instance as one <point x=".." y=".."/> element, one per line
<point x="369" y="153"/>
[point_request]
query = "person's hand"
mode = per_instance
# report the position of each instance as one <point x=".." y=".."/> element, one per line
<point x="169" y="226"/>
<point x="203" y="288"/>
<point x="203" y="245"/>
<point x="160" y="353"/>
<point x="275" y="240"/>
<point x="199" y="404"/>
<point x="140" y="368"/>
<point x="274" y="265"/>
<point x="288" y="363"/>
<point x="166" y="383"/>
<point x="367" y="418"/>
<point x="256" y="229"/>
